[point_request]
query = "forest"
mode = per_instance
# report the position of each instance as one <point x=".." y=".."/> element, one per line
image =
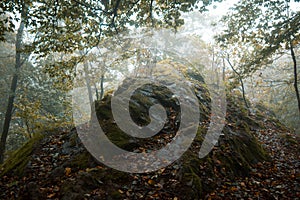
<point x="149" y="99"/>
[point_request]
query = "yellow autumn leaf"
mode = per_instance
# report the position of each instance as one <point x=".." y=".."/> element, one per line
<point x="151" y="182"/>
<point x="68" y="171"/>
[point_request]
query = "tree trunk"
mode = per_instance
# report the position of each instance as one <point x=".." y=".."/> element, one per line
<point x="88" y="82"/>
<point x="223" y="71"/>
<point x="295" y="75"/>
<point x="87" y="79"/>
<point x="101" y="87"/>
<point x="241" y="81"/>
<point x="97" y="92"/>
<point x="14" y="82"/>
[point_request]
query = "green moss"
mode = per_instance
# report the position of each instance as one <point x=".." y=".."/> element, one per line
<point x="279" y="124"/>
<point x="117" y="136"/>
<point x="103" y="109"/>
<point x="200" y="134"/>
<point x="16" y="163"/>
<point x="67" y="187"/>
<point x="73" y="140"/>
<point x="253" y="123"/>
<point x="246" y="151"/>
<point x="116" y="195"/>
<point x="116" y="176"/>
<point x="289" y="139"/>
<point x="196" y="75"/>
<point x="194" y="179"/>
<point x="191" y="174"/>
<point x="81" y="161"/>
<point x="104" y="115"/>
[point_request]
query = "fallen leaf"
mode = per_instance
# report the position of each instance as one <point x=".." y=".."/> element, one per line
<point x="51" y="195"/>
<point x="243" y="184"/>
<point x="151" y="182"/>
<point x="68" y="171"/>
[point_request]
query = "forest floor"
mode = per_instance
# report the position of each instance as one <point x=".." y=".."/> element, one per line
<point x="52" y="169"/>
<point x="276" y="179"/>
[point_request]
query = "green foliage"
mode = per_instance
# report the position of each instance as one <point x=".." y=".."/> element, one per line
<point x="65" y="26"/>
<point x="38" y="105"/>
<point x="273" y="88"/>
<point x="263" y="28"/>
<point x="257" y="34"/>
<point x="29" y="113"/>
<point x="33" y="118"/>
<point x="6" y="21"/>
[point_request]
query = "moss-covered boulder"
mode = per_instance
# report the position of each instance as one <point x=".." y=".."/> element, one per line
<point x="237" y="150"/>
<point x="61" y="168"/>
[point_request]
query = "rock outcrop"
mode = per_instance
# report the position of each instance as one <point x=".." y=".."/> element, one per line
<point x="57" y="166"/>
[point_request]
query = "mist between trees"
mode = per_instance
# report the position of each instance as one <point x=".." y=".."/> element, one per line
<point x="255" y="52"/>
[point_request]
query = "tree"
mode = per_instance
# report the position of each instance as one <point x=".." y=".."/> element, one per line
<point x="18" y="63"/>
<point x="266" y="28"/>
<point x="273" y="87"/>
<point x="39" y="105"/>
<point x="6" y="71"/>
<point x="68" y="26"/>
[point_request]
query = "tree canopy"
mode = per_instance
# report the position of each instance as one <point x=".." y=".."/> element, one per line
<point x="51" y="29"/>
<point x="74" y="24"/>
<point x="265" y="29"/>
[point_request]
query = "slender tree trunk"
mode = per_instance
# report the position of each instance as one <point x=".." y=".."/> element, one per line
<point x="244" y="94"/>
<point x="88" y="82"/>
<point x="97" y="93"/>
<point x="14" y="83"/>
<point x="87" y="79"/>
<point x="294" y="59"/>
<point x="295" y="75"/>
<point x="241" y="81"/>
<point x="101" y="87"/>
<point x="223" y="71"/>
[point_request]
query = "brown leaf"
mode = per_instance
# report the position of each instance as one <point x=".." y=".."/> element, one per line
<point x="243" y="184"/>
<point x="68" y="171"/>
<point x="51" y="195"/>
<point x="151" y="182"/>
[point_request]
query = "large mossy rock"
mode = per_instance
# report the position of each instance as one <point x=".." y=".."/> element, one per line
<point x="62" y="168"/>
<point x="237" y="150"/>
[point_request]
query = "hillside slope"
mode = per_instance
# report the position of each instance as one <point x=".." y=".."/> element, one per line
<point x="256" y="157"/>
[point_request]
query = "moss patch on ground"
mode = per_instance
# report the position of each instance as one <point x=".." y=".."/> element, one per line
<point x="16" y="163"/>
